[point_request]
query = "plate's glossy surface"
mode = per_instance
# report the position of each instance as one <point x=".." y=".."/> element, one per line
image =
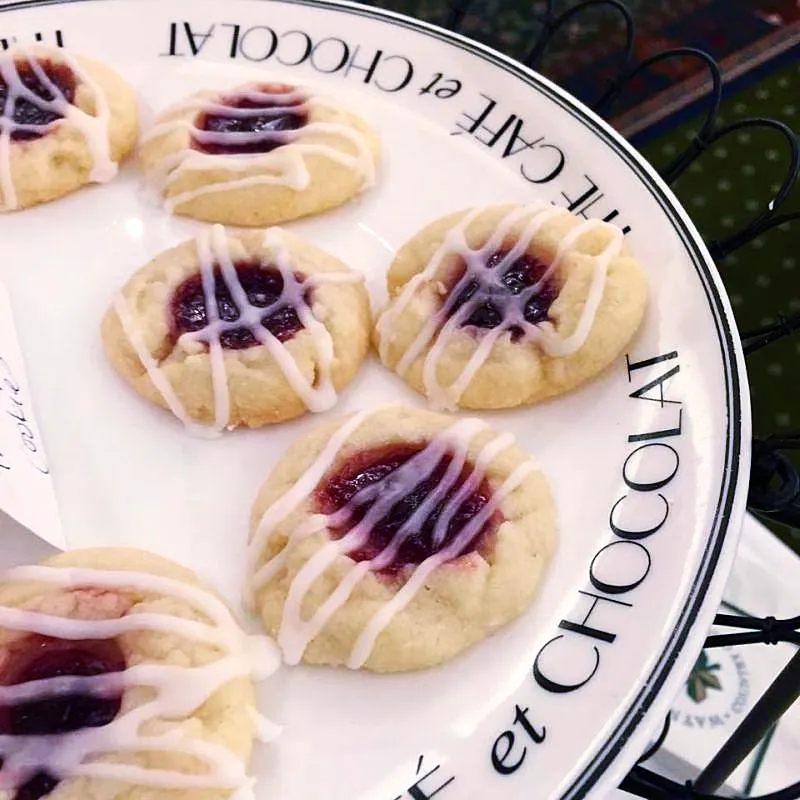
<point x="646" y="462"/>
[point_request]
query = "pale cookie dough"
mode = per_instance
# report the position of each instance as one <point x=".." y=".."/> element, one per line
<point x="290" y="326"/>
<point x="102" y="653"/>
<point x="507" y="305"/>
<point x="445" y="542"/>
<point x="259" y="154"/>
<point x="67" y="121"/>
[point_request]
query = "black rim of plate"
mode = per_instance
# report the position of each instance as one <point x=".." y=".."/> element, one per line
<point x="703" y="265"/>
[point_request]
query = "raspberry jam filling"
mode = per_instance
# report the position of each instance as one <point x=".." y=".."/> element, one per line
<point x="265" y="112"/>
<point x="505" y="295"/>
<point x="264" y="287"/>
<point x="380" y="466"/>
<point x="37" y="658"/>
<point x="60" y="83"/>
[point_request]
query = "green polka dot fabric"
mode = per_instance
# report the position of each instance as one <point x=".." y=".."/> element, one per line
<point x="721" y="191"/>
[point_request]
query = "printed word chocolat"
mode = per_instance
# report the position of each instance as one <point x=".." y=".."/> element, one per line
<point x="625" y="555"/>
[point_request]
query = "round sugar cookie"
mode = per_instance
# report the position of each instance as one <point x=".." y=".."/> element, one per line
<point x="243" y="329"/>
<point x="507" y="305"/>
<point x="67" y="121"/>
<point x="396" y="538"/>
<point x="259" y="154"/>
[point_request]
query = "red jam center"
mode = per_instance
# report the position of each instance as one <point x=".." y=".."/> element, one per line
<point x="501" y="294"/>
<point x="37" y="658"/>
<point x="264" y="287"/>
<point x="412" y="487"/>
<point x="21" y="110"/>
<point x="256" y="121"/>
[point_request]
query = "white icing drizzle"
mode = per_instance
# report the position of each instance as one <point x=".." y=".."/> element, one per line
<point x="93" y="127"/>
<point x="300" y="490"/>
<point x="178" y="691"/>
<point x="296" y="633"/>
<point x="214" y="254"/>
<point x="134" y="335"/>
<point x="219" y="375"/>
<point x="266" y="729"/>
<point x="283" y="166"/>
<point x="366" y="640"/>
<point x="439" y="330"/>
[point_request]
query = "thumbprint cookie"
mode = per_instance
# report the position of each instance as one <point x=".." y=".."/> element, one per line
<point x="65" y="121"/>
<point x="507" y="305"/>
<point x="121" y="675"/>
<point x="239" y="330"/>
<point x="396" y="538"/>
<point x="259" y="154"/>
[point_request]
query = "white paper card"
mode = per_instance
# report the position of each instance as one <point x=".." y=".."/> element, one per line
<point x="26" y="486"/>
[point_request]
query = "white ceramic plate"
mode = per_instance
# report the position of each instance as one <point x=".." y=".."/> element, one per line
<point x="561" y="703"/>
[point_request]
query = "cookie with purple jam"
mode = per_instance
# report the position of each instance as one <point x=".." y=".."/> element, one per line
<point x="239" y="330"/>
<point x="259" y="154"/>
<point x="503" y="306"/>
<point x="396" y="538"/>
<point x="101" y="651"/>
<point x="65" y="121"/>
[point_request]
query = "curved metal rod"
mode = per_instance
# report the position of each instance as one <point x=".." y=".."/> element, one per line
<point x="751" y="623"/>
<point x="658" y="743"/>
<point x="774" y="490"/>
<point x="753" y="341"/>
<point x="780" y="219"/>
<point x="676" y="168"/>
<point x="769" y="500"/>
<point x="645" y="783"/>
<point x="738" y="639"/>
<point x="768" y="218"/>
<point x="770" y="707"/>
<point x="767" y="630"/>
<point x="552" y="24"/>
<point x="458" y="10"/>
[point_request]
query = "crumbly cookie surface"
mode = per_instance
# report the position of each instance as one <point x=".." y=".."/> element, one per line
<point x="446" y="542"/>
<point x="114" y="647"/>
<point x="504" y="306"/>
<point x="70" y="121"/>
<point x="243" y="329"/>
